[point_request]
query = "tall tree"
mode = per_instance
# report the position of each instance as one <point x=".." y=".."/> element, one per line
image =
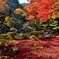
<point x="41" y="9"/>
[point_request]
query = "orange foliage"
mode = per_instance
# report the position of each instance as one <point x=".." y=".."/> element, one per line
<point x="18" y="11"/>
<point x="31" y="18"/>
<point x="2" y="4"/>
<point x="42" y="9"/>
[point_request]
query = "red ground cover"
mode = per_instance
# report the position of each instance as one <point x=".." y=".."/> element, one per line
<point x="30" y="49"/>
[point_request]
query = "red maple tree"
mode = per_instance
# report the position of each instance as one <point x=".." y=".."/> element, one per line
<point x="40" y="9"/>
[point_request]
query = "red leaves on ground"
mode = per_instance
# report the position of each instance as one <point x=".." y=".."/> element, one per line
<point x="50" y="49"/>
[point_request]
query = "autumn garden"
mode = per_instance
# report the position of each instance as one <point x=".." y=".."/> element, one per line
<point x="31" y="31"/>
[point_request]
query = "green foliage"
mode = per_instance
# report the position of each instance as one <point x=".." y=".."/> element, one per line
<point x="46" y="28"/>
<point x="15" y="23"/>
<point x="5" y="28"/>
<point x="23" y="35"/>
<point x="5" y="35"/>
<point x="6" y="38"/>
<point x="33" y="37"/>
<point x="54" y="25"/>
<point x="35" y="32"/>
<point x="21" y="18"/>
<point x="6" y="45"/>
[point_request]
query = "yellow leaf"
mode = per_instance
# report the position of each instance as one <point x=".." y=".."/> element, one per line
<point x="8" y="20"/>
<point x="54" y="16"/>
